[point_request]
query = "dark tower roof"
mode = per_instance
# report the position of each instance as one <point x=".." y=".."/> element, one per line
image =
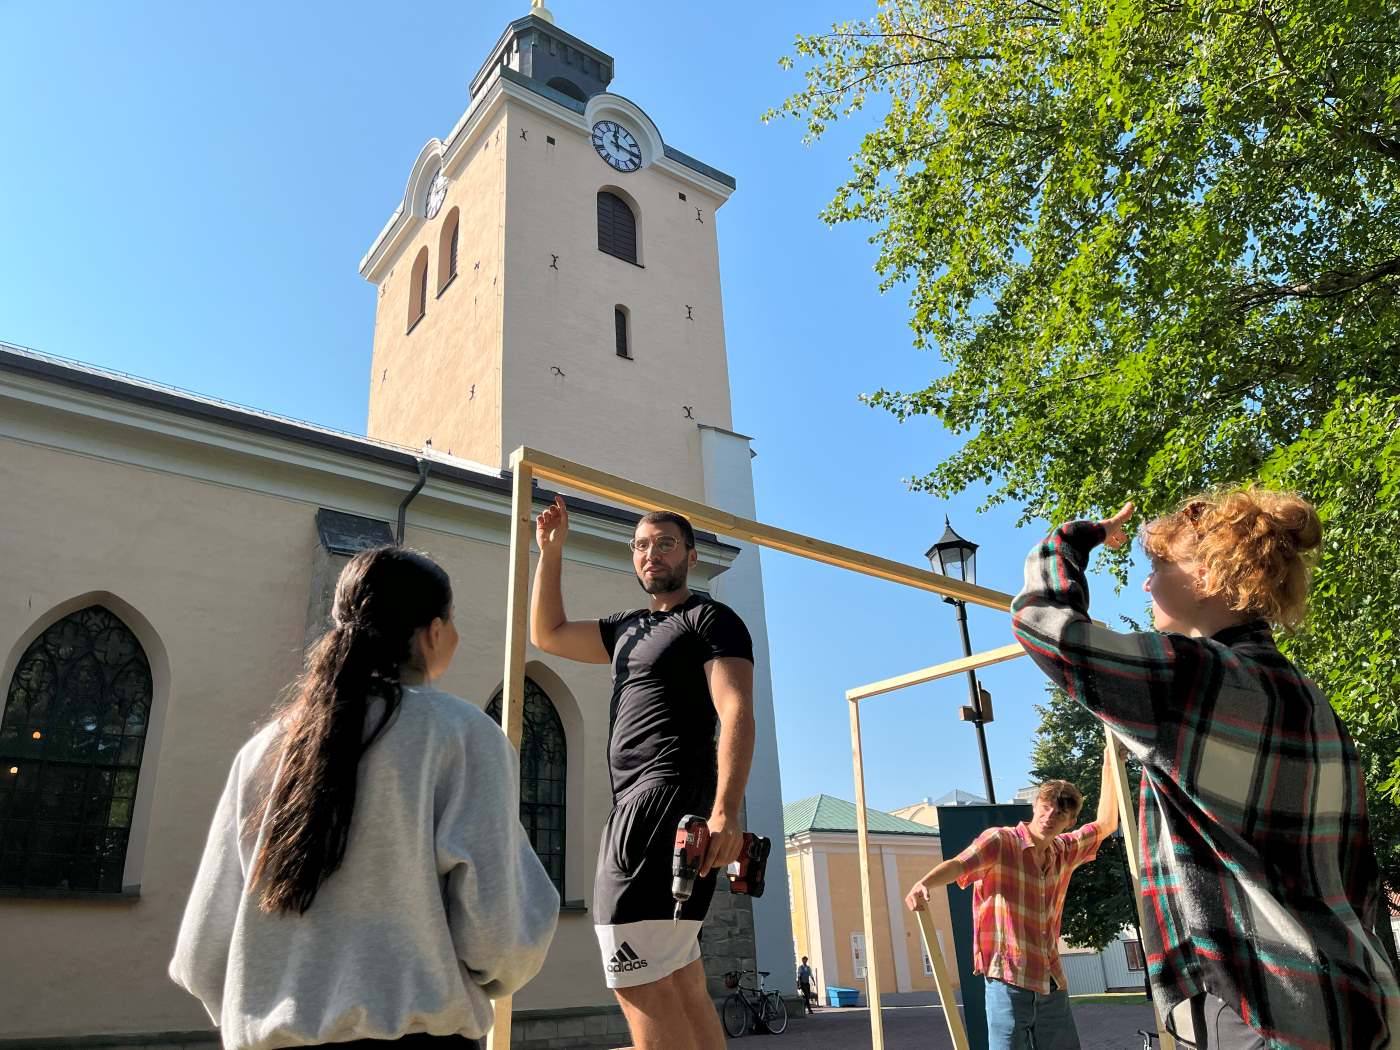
<point x="542" y="52"/>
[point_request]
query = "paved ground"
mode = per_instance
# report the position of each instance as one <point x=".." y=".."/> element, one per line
<point x="1101" y="1027"/>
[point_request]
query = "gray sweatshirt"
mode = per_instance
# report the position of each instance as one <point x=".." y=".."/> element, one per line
<point x="439" y="906"/>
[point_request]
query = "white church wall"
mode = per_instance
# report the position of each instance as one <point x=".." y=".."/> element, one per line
<point x="729" y="486"/>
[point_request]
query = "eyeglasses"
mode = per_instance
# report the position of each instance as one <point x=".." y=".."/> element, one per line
<point x="663" y="545"/>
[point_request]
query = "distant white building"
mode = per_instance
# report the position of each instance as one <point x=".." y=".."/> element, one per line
<point x="925" y="811"/>
<point x="1118" y="968"/>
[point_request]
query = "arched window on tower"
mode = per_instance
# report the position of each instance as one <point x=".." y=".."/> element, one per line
<point x="418" y="289"/>
<point x="447" y="250"/>
<point x="71" y="739"/>
<point x="622" y="322"/>
<point x="617" y="226"/>
<point x="565" y="86"/>
<point x="543" y="776"/>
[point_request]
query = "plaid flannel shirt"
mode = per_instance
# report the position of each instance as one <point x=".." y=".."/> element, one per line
<point x="1259" y="881"/>
<point x="1017" y="907"/>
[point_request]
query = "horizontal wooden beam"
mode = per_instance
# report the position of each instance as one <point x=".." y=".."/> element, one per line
<point x="931" y="674"/>
<point x="643" y="497"/>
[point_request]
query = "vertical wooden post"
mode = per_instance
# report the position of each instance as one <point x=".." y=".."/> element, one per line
<point x="1127" y="823"/>
<point x="872" y="968"/>
<point x="513" y="689"/>
<point x="942" y="980"/>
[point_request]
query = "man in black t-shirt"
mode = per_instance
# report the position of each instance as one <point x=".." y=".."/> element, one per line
<point x="680" y="667"/>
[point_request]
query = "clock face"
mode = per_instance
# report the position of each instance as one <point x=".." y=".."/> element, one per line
<point x="437" y="191"/>
<point x="616" y="145"/>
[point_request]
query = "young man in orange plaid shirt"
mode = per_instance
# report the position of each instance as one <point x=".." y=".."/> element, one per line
<point x="1019" y="877"/>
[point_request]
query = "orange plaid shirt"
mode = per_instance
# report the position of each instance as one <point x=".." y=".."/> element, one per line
<point x="1016" y="907"/>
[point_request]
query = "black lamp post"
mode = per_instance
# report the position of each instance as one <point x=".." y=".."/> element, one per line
<point x="956" y="557"/>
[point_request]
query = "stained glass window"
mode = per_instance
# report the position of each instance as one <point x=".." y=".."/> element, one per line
<point x="71" y="738"/>
<point x="543" y="777"/>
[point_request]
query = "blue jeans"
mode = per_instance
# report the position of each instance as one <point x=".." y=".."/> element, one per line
<point x="1019" y="1019"/>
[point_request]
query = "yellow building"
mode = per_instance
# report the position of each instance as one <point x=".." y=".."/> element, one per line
<point x="827" y="918"/>
<point x="549" y="273"/>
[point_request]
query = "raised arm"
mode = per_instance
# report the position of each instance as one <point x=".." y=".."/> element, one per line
<point x="1126" y="679"/>
<point x="1106" y="820"/>
<point x="550" y="628"/>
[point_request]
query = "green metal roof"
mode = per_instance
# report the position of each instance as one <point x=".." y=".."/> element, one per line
<point x="824" y="813"/>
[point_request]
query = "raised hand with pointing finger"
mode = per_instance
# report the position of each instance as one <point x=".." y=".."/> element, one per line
<point x="552" y="527"/>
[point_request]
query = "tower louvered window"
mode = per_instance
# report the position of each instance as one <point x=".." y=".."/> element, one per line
<point x="620" y="323"/>
<point x="617" y="227"/>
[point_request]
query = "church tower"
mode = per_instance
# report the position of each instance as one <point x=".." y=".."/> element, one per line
<point x="551" y="277"/>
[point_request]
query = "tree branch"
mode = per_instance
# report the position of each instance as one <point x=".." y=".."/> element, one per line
<point x="1327" y="285"/>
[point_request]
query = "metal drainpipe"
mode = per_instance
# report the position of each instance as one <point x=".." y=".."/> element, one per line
<point x="403" y="507"/>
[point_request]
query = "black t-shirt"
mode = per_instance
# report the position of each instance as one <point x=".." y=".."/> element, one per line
<point x="661" y="724"/>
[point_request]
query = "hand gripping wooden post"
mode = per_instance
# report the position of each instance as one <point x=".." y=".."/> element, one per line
<point x="529" y="464"/>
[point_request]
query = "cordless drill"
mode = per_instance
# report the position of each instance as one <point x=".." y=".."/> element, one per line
<point x="746" y="875"/>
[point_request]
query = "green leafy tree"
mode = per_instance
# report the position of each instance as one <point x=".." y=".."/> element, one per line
<point x="1157" y="246"/>
<point x="1069" y="746"/>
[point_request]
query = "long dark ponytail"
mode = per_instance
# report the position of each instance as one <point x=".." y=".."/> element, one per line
<point x="381" y="599"/>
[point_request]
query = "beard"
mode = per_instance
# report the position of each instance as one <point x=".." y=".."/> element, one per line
<point x="664" y="583"/>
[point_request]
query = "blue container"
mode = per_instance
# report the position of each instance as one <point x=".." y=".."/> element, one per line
<point x="841" y="996"/>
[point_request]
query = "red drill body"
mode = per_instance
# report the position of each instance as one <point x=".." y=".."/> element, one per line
<point x="746" y="875"/>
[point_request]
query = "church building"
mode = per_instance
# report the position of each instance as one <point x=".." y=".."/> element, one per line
<point x="550" y="278"/>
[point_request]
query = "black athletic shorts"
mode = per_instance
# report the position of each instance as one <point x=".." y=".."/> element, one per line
<point x="632" y="902"/>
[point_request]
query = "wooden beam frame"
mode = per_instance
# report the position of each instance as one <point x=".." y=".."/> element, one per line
<point x="513" y="686"/>
<point x="932" y="674"/>
<point x="528" y="465"/>
<point x="942" y="981"/>
<point x="854" y="697"/>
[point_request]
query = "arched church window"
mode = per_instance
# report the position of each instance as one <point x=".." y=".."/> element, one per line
<point x="543" y="777"/>
<point x="565" y="86"/>
<point x="447" y="249"/>
<point x="71" y="739"/>
<point x="622" y="323"/>
<point x="617" y="227"/>
<point x="418" y="289"/>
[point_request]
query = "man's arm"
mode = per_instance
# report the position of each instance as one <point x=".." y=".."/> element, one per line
<point x="949" y="871"/>
<point x="550" y="629"/>
<point x="1107" y="817"/>
<point x="731" y="689"/>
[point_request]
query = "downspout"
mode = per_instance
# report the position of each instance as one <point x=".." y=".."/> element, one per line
<point x="403" y="507"/>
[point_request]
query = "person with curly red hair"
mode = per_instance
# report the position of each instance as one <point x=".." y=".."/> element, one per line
<point x="1260" y="886"/>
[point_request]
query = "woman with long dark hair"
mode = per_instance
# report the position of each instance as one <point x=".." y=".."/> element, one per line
<point x="366" y="878"/>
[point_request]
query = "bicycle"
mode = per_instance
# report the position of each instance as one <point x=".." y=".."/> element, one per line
<point x="748" y="1009"/>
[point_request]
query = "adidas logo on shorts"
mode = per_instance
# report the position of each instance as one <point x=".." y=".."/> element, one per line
<point x="625" y="959"/>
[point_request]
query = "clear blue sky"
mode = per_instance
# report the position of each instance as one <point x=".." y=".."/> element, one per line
<point x="187" y="189"/>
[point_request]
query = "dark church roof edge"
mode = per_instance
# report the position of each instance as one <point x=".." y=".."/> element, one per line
<point x="25" y="361"/>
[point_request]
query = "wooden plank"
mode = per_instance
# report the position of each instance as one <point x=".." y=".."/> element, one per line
<point x="643" y="497"/>
<point x="872" y="967"/>
<point x="513" y="689"/>
<point x="946" y="996"/>
<point x="931" y="674"/>
<point x="1127" y="823"/>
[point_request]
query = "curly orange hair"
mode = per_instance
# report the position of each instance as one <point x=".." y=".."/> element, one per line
<point x="1255" y="545"/>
